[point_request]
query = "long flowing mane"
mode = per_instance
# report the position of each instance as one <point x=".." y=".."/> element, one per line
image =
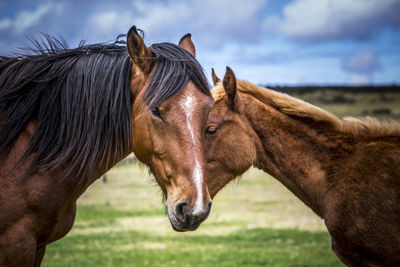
<point x="295" y="107"/>
<point x="80" y="101"/>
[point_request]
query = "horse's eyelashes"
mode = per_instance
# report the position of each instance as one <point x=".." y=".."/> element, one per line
<point x="156" y="112"/>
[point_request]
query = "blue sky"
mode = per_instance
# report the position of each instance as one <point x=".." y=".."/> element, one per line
<point x="263" y="41"/>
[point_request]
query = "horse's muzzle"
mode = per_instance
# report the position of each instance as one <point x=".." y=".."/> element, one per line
<point x="183" y="219"/>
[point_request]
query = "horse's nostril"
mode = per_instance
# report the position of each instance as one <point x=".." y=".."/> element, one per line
<point x="181" y="210"/>
<point x="209" y="205"/>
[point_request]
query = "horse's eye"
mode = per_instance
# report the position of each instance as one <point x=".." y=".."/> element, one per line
<point x="211" y="129"/>
<point x="156" y="112"/>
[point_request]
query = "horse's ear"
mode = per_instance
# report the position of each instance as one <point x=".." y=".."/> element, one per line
<point x="138" y="51"/>
<point x="214" y="77"/>
<point x="229" y="83"/>
<point x="187" y="44"/>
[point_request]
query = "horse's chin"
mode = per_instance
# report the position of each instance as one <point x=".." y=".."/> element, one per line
<point x="182" y="227"/>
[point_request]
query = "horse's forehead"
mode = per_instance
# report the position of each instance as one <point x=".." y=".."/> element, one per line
<point x="221" y="112"/>
<point x="220" y="107"/>
<point x="190" y="97"/>
<point x="218" y="113"/>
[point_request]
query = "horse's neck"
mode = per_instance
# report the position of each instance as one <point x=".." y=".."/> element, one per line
<point x="292" y="152"/>
<point x="73" y="184"/>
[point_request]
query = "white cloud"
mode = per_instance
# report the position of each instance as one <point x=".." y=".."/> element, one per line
<point x="25" y="19"/>
<point x="321" y="20"/>
<point x="362" y="62"/>
<point x="216" y="21"/>
<point x="106" y="25"/>
<point x="5" y="23"/>
<point x="361" y="65"/>
<point x="360" y="79"/>
<point x="110" y="21"/>
<point x="105" y="21"/>
<point x="161" y="16"/>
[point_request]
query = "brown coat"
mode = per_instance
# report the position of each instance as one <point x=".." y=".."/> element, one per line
<point x="346" y="171"/>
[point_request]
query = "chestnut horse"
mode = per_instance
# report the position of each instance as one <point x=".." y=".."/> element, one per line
<point x="69" y="115"/>
<point x="346" y="171"/>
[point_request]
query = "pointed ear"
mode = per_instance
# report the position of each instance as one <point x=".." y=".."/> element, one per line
<point x="214" y="77"/>
<point x="187" y="44"/>
<point x="138" y="51"/>
<point x="229" y="83"/>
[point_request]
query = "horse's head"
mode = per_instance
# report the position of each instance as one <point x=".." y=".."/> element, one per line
<point x="169" y="113"/>
<point x="230" y="144"/>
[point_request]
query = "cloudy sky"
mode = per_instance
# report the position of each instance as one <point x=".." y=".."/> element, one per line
<point x="263" y="41"/>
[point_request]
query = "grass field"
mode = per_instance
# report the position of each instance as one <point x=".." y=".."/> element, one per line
<point x="253" y="222"/>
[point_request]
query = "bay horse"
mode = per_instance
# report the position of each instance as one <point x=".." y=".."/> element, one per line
<point x="347" y="171"/>
<point x="69" y="115"/>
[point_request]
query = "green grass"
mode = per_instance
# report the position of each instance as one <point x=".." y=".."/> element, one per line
<point x="123" y="223"/>
<point x="252" y="247"/>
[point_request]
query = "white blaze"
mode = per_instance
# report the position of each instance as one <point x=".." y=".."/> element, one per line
<point x="188" y="107"/>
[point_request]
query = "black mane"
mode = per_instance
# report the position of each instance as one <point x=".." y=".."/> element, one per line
<point x="81" y="101"/>
<point x="79" y="98"/>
